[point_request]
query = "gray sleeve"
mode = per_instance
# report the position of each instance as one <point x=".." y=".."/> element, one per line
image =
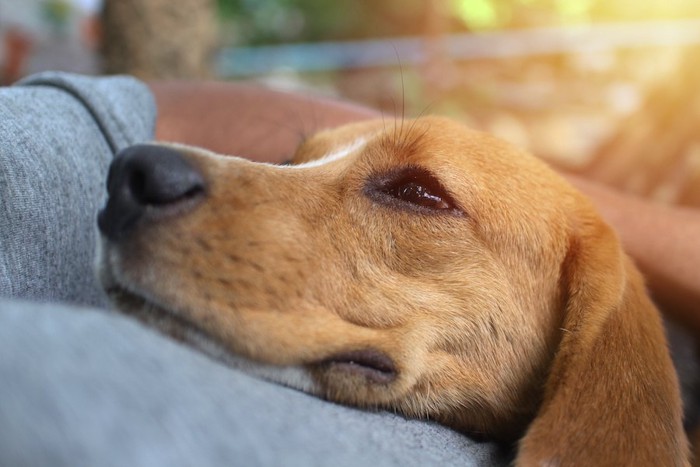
<point x="58" y="133"/>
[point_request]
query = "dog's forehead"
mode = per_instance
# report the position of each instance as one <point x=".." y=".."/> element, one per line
<point x="437" y="142"/>
<point x="479" y="169"/>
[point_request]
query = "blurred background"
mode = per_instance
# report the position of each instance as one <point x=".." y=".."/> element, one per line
<point x="608" y="88"/>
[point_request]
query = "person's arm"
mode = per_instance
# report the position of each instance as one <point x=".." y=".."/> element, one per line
<point x="665" y="243"/>
<point x="245" y="120"/>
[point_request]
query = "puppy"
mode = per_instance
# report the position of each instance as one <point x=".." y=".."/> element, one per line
<point x="416" y="266"/>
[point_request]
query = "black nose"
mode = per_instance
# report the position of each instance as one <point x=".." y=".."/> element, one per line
<point x="147" y="181"/>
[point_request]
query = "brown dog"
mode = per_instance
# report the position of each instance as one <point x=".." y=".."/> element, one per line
<point x="418" y="266"/>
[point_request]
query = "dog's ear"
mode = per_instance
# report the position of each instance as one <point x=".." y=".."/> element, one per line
<point x="612" y="396"/>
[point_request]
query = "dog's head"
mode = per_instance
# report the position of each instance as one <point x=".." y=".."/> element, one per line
<point x="417" y="266"/>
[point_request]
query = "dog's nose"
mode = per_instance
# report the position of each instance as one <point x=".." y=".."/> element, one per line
<point x="147" y="181"/>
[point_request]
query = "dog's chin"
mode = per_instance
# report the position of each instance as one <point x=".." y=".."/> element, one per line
<point x="129" y="301"/>
<point x="167" y="322"/>
<point x="183" y="330"/>
<point x="367" y="366"/>
<point x="160" y="318"/>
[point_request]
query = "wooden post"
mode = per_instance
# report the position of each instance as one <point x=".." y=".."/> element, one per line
<point x="159" y="39"/>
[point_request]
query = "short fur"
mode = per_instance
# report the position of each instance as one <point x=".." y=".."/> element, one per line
<point x="515" y="315"/>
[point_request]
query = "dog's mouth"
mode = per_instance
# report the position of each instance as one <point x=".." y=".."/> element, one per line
<point x="156" y="316"/>
<point x="372" y="364"/>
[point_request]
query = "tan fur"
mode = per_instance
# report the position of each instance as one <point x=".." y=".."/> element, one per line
<point x="516" y="317"/>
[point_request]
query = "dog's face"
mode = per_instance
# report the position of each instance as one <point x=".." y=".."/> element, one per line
<point x="417" y="266"/>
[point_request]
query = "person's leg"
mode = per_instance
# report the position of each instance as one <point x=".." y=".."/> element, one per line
<point x="58" y="134"/>
<point x="79" y="387"/>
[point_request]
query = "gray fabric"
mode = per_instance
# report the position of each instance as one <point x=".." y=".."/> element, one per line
<point x="57" y="136"/>
<point x="83" y="387"/>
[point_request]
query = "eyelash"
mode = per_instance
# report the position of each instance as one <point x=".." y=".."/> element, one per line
<point x="412" y="188"/>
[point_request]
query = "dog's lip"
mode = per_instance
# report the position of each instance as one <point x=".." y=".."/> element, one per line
<point x="145" y="308"/>
<point x="372" y="364"/>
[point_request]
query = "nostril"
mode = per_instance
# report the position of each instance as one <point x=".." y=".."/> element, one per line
<point x="158" y="189"/>
<point x="137" y="185"/>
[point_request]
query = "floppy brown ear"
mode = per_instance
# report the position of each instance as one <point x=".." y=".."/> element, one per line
<point x="612" y="397"/>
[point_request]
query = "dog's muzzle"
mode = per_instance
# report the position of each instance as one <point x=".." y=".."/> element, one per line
<point x="147" y="182"/>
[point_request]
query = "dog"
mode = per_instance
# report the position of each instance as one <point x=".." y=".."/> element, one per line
<point x="416" y="266"/>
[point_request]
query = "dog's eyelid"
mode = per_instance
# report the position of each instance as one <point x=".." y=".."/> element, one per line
<point x="412" y="186"/>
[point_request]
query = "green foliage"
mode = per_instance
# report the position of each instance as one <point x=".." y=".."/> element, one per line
<point x="57" y="14"/>
<point x="500" y="14"/>
<point x="479" y="14"/>
<point x="254" y="22"/>
<point x="275" y="21"/>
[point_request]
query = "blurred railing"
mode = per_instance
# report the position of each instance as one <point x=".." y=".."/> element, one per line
<point x="326" y="56"/>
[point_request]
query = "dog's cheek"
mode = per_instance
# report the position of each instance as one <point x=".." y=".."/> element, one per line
<point x="470" y="397"/>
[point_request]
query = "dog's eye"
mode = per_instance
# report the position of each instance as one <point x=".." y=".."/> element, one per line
<point x="416" y="193"/>
<point x="412" y="187"/>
